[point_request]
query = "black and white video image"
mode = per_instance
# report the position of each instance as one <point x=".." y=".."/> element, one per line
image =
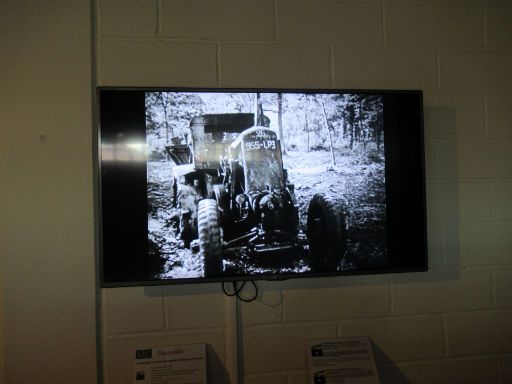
<point x="264" y="183"/>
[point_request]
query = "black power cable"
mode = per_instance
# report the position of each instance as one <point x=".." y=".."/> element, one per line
<point x="236" y="291"/>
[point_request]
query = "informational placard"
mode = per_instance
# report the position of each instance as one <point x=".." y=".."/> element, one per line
<point x="181" y="364"/>
<point x="347" y="360"/>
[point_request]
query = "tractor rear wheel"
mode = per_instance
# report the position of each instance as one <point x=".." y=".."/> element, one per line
<point x="210" y="245"/>
<point x="326" y="232"/>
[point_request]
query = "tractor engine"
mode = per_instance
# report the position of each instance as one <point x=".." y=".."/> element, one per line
<point x="269" y="210"/>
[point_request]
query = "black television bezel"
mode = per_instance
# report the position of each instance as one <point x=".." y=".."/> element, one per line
<point x="405" y="171"/>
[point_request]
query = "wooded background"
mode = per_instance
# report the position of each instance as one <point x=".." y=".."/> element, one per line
<point x="304" y="121"/>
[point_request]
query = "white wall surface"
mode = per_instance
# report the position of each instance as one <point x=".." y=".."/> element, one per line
<point x="46" y="193"/>
<point x="450" y="325"/>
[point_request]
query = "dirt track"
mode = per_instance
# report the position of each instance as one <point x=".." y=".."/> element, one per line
<point x="356" y="184"/>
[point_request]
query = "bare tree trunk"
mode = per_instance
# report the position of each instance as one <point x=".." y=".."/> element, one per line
<point x="306" y="119"/>
<point x="331" y="147"/>
<point x="362" y="131"/>
<point x="351" y="136"/>
<point x="256" y="100"/>
<point x="280" y="121"/>
<point x="258" y="116"/>
<point x="164" y="102"/>
<point x="377" y="135"/>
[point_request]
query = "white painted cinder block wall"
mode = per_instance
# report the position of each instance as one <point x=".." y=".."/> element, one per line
<point x="47" y="284"/>
<point x="450" y="325"/>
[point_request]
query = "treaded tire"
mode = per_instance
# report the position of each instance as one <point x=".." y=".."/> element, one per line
<point x="210" y="245"/>
<point x="326" y="232"/>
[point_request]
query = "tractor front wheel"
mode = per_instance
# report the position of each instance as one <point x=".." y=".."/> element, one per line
<point x="210" y="244"/>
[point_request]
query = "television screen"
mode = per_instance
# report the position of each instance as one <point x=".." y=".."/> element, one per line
<point x="203" y="185"/>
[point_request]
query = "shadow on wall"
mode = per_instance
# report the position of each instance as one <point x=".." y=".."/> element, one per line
<point x="217" y="373"/>
<point x="389" y="373"/>
<point x="443" y="189"/>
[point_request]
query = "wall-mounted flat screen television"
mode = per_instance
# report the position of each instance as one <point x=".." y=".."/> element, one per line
<point x="211" y="185"/>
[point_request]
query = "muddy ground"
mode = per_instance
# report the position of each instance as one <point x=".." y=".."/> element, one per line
<point x="355" y="182"/>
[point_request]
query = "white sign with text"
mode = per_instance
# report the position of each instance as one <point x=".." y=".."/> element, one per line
<point x="181" y="364"/>
<point x="347" y="360"/>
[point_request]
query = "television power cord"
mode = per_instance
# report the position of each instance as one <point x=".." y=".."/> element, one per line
<point x="237" y="288"/>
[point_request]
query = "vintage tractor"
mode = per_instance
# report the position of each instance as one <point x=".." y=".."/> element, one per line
<point x="232" y="192"/>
